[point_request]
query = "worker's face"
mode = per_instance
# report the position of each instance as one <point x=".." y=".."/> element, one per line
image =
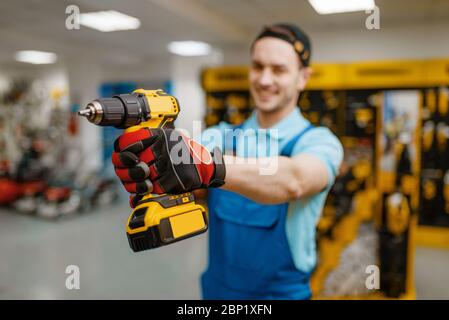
<point x="276" y="76"/>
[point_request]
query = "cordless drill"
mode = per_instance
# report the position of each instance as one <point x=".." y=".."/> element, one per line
<point x="157" y="220"/>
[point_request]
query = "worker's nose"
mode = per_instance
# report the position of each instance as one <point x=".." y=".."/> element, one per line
<point x="266" y="78"/>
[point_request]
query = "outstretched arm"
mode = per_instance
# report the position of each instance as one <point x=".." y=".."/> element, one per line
<point x="292" y="178"/>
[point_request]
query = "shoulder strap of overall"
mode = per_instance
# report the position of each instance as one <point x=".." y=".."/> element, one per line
<point x="288" y="149"/>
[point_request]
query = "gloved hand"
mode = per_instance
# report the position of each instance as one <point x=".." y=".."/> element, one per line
<point x="165" y="161"/>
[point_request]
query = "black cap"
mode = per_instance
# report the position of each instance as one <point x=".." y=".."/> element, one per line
<point x="293" y="35"/>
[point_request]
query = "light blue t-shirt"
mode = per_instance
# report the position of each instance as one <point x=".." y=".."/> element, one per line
<point x="303" y="214"/>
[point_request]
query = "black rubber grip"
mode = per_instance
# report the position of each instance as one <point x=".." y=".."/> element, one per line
<point x="134" y="108"/>
<point x="113" y="112"/>
<point x="123" y="111"/>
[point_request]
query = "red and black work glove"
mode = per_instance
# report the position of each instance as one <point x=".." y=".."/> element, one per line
<point x="165" y="161"/>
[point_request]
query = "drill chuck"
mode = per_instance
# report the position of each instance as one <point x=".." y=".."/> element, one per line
<point x="121" y="111"/>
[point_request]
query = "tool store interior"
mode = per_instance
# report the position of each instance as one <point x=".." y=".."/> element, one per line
<point x="380" y="83"/>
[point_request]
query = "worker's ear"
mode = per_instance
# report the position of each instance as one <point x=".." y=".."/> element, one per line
<point x="304" y="76"/>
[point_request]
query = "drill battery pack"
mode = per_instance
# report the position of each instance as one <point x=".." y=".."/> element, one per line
<point x="160" y="220"/>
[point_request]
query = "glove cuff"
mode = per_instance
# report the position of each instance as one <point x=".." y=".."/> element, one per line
<point x="218" y="178"/>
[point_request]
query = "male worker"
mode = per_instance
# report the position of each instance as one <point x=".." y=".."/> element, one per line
<point x="261" y="226"/>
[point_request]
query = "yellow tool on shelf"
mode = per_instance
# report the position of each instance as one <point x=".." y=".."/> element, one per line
<point x="157" y="220"/>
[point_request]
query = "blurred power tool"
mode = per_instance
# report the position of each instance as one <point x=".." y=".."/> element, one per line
<point x="157" y="220"/>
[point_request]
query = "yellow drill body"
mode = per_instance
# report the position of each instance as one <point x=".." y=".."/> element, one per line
<point x="157" y="220"/>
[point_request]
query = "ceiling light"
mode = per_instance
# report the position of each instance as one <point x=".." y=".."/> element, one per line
<point x="340" y="6"/>
<point x="189" y="48"/>
<point x="36" y="57"/>
<point x="107" y="21"/>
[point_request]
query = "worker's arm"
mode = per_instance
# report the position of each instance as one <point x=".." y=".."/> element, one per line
<point x="294" y="178"/>
<point x="166" y="161"/>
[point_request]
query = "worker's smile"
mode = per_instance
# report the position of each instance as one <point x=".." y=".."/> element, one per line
<point x="266" y="94"/>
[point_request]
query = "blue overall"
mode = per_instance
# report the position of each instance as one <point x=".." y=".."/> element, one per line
<point x="249" y="254"/>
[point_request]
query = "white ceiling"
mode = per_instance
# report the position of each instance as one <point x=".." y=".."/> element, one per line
<point x="39" y="24"/>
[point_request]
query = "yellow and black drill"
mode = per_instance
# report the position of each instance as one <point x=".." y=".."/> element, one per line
<point x="157" y="220"/>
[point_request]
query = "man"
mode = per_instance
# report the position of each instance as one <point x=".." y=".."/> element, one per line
<point x="262" y="226"/>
